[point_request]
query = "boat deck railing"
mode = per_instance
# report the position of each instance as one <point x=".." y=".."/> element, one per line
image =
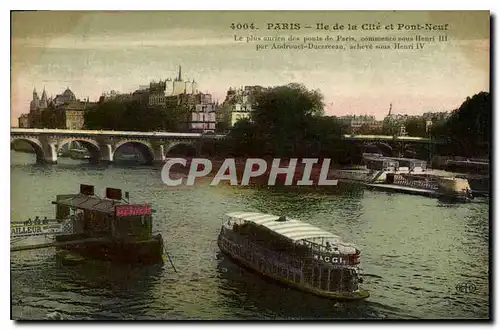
<point x="262" y="250"/>
<point x="429" y="185"/>
<point x="284" y="257"/>
<point x="256" y="252"/>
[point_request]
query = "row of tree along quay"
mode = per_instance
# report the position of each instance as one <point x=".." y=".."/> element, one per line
<point x="289" y="122"/>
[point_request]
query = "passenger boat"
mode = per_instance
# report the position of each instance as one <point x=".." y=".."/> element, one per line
<point x="107" y="228"/>
<point x="127" y="158"/>
<point x="79" y="154"/>
<point x="294" y="253"/>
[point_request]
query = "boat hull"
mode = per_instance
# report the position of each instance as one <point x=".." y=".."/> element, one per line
<point x="131" y="252"/>
<point x="360" y="294"/>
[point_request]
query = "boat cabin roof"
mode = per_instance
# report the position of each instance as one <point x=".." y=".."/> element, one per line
<point x="90" y="203"/>
<point x="380" y="160"/>
<point x="295" y="230"/>
<point x="410" y="160"/>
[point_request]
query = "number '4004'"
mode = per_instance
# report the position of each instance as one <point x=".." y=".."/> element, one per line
<point x="242" y="26"/>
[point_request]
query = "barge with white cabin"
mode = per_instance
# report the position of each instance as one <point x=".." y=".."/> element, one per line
<point x="294" y="253"/>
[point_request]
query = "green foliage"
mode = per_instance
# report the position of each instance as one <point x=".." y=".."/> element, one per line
<point x="468" y="128"/>
<point x="389" y="128"/>
<point x="366" y="129"/>
<point x="416" y="126"/>
<point x="286" y="106"/>
<point x="243" y="139"/>
<point x="135" y="116"/>
<point x="287" y="121"/>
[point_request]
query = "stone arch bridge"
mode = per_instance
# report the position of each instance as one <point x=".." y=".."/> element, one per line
<point x="102" y="145"/>
<point x="394" y="145"/>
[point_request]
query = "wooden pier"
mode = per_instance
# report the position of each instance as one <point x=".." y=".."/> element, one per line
<point x="55" y="244"/>
<point x="33" y="246"/>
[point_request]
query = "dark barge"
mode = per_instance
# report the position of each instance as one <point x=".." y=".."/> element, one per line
<point x="108" y="228"/>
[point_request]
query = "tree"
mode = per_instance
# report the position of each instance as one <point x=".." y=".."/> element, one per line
<point x="286" y="106"/>
<point x="366" y="129"/>
<point x="281" y="115"/>
<point x="287" y="122"/>
<point x="416" y="126"/>
<point x="134" y="115"/>
<point x="469" y="127"/>
<point x="243" y="139"/>
<point x="389" y="128"/>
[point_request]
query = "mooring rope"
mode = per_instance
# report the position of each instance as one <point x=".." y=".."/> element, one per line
<point x="165" y="252"/>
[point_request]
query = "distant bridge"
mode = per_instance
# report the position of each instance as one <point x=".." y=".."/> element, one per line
<point x="396" y="145"/>
<point x="102" y="145"/>
<point x="387" y="138"/>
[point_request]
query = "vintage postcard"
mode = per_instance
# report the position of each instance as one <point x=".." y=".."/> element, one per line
<point x="250" y="165"/>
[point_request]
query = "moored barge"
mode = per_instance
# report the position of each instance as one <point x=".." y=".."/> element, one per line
<point x="107" y="228"/>
<point x="294" y="253"/>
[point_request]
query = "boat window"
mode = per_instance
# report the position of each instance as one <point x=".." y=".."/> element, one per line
<point x="324" y="278"/>
<point x="335" y="280"/>
<point x="136" y="226"/>
<point x="348" y="280"/>
<point x="62" y="211"/>
<point x="95" y="223"/>
<point x="315" y="279"/>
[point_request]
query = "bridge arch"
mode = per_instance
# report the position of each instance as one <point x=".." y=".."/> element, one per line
<point x="91" y="145"/>
<point x="378" y="147"/>
<point x="35" y="144"/>
<point x="181" y="148"/>
<point x="143" y="147"/>
<point x="385" y="148"/>
<point x="370" y="148"/>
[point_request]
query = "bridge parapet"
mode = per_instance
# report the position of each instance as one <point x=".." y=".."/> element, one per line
<point x="108" y="133"/>
<point x="103" y="144"/>
<point x="387" y="138"/>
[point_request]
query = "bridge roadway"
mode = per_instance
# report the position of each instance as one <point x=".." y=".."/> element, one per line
<point x="91" y="133"/>
<point x="387" y="138"/>
<point x="102" y="144"/>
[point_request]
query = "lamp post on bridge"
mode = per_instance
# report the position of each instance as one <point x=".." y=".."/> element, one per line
<point x="428" y="128"/>
<point x="402" y="132"/>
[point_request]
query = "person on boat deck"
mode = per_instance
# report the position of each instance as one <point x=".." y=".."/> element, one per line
<point x="28" y="222"/>
<point x="328" y="246"/>
<point x="45" y="221"/>
<point x="37" y="220"/>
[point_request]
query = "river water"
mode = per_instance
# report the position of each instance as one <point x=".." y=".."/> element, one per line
<point x="415" y="251"/>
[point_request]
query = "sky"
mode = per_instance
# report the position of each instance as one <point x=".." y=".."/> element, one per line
<point x="94" y="52"/>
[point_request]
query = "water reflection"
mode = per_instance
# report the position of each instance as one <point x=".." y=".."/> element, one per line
<point x="104" y="290"/>
<point x="414" y="249"/>
<point x="303" y="201"/>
